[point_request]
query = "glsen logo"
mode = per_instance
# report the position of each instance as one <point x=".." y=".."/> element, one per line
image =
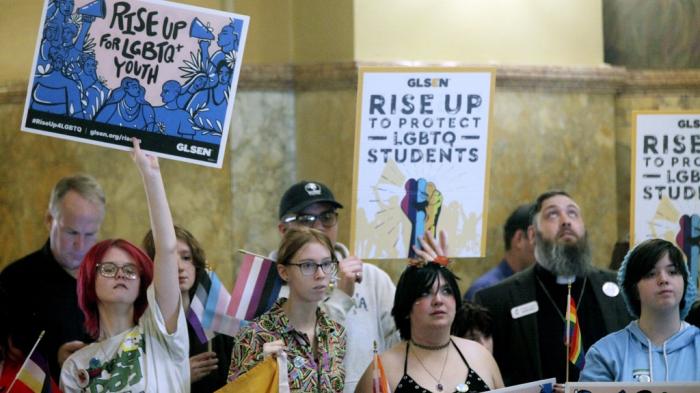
<point x="428" y="82"/>
<point x="687" y="123"/>
<point x="198" y="150"/>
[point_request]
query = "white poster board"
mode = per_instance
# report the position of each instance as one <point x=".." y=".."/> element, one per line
<point x="421" y="159"/>
<point x="105" y="71"/>
<point x="541" y="386"/>
<point x="665" y="177"/>
<point x="631" y="387"/>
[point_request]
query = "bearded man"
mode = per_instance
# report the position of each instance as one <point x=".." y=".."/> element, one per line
<point x="529" y="308"/>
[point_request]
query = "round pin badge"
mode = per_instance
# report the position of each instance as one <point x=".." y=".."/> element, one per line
<point x="299" y="362"/>
<point x="611" y="289"/>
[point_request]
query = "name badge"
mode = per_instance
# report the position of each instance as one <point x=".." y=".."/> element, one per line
<point x="524" y="309"/>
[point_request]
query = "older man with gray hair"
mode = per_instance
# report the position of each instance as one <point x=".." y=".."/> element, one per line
<point x="43" y="283"/>
<point x="529" y="308"/>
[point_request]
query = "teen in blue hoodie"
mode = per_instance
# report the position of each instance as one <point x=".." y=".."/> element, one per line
<point x="659" y="346"/>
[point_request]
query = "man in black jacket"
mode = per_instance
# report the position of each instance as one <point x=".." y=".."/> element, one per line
<point x="42" y="285"/>
<point x="529" y="308"/>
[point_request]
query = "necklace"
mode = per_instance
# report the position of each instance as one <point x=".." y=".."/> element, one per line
<point x="128" y="113"/>
<point x="431" y="347"/>
<point x="439" y="386"/>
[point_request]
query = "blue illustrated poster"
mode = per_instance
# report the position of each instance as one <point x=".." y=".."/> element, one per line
<point x="108" y="70"/>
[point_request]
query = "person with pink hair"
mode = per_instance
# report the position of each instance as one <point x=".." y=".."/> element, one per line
<point x="132" y="307"/>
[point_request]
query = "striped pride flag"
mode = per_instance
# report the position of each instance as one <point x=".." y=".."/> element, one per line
<point x="208" y="309"/>
<point x="572" y="335"/>
<point x="35" y="374"/>
<point x="257" y="287"/>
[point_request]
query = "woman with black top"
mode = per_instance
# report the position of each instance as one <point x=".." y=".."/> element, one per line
<point x="427" y="297"/>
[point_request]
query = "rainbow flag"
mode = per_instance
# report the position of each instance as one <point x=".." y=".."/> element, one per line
<point x="35" y="374"/>
<point x="257" y="288"/>
<point x="379" y="382"/>
<point x="572" y="335"/>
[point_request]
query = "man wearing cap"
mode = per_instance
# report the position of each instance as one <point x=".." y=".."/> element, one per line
<point x="529" y="308"/>
<point x="364" y="295"/>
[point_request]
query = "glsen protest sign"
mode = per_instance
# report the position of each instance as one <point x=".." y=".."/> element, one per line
<point x="542" y="386"/>
<point x="665" y="189"/>
<point x="631" y="387"/>
<point x="421" y="159"/>
<point x="107" y="70"/>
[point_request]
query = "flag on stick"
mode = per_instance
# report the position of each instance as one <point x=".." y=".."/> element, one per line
<point x="196" y="325"/>
<point x="209" y="306"/>
<point x="379" y="382"/>
<point x="572" y="335"/>
<point x="196" y="311"/>
<point x="34" y="373"/>
<point x="257" y="287"/>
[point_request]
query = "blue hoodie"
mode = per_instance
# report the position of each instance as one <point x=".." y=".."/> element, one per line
<point x="629" y="356"/>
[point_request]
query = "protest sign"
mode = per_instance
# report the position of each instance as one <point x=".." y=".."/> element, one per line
<point x="631" y="387"/>
<point x="665" y="177"/>
<point x="542" y="386"/>
<point x="421" y="159"/>
<point x="108" y="70"/>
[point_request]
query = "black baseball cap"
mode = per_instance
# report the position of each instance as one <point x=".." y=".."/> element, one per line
<point x="303" y="194"/>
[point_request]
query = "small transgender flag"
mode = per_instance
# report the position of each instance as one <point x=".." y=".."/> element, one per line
<point x="208" y="309"/>
<point x="572" y="335"/>
<point x="257" y="287"/>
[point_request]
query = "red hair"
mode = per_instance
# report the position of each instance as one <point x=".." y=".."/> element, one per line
<point x="87" y="297"/>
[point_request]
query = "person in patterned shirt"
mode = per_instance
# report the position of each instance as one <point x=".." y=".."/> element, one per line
<point x="314" y="344"/>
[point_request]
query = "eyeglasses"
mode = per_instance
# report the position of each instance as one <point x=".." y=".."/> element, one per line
<point x="110" y="270"/>
<point x="328" y="266"/>
<point x="327" y="219"/>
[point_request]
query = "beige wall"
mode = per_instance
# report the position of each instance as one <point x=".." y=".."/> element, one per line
<point x="322" y="31"/>
<point x="480" y="32"/>
<point x="562" y="124"/>
<point x="269" y="39"/>
<point x="18" y="26"/>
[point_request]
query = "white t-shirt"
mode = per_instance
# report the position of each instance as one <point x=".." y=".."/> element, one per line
<point x="144" y="358"/>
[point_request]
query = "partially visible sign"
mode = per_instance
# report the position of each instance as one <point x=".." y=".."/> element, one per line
<point x="108" y="70"/>
<point x="665" y="176"/>
<point x="541" y="386"/>
<point x="631" y="387"/>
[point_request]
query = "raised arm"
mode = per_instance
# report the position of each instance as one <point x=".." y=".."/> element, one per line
<point x="165" y="271"/>
<point x="431" y="248"/>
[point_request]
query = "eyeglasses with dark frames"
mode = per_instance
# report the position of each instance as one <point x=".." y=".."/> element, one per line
<point x="110" y="270"/>
<point x="308" y="268"/>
